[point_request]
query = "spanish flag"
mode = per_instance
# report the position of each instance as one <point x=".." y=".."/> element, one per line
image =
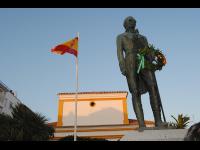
<point x="70" y="46"/>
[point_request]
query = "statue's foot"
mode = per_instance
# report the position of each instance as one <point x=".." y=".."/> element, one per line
<point x="162" y="125"/>
<point x="142" y="128"/>
<point x="159" y="126"/>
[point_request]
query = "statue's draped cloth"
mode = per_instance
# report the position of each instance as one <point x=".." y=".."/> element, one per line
<point x="131" y="68"/>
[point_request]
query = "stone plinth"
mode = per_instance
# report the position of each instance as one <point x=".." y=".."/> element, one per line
<point x="155" y="135"/>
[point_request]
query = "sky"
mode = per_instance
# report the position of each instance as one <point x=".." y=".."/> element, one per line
<point x="36" y="75"/>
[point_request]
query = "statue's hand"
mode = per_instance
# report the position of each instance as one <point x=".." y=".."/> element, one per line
<point x="123" y="69"/>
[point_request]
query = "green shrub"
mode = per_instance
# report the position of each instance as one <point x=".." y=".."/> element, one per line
<point x="181" y="122"/>
<point x="24" y="125"/>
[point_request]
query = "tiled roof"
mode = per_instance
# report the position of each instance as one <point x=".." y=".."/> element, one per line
<point x="54" y="124"/>
<point x="135" y="122"/>
<point x="94" y="92"/>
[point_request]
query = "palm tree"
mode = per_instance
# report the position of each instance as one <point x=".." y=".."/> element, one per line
<point x="24" y="124"/>
<point x="9" y="129"/>
<point x="181" y="122"/>
<point x="5" y="126"/>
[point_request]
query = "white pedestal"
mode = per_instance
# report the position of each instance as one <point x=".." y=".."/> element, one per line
<point x="156" y="135"/>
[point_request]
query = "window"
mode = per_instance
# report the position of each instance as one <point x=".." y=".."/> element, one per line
<point x="92" y="104"/>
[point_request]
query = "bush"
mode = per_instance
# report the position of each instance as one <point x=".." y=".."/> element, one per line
<point x="71" y="138"/>
<point x="24" y="125"/>
<point x="8" y="128"/>
<point x="181" y="122"/>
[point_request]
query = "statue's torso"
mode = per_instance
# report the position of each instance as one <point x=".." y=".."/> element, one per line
<point x="131" y="42"/>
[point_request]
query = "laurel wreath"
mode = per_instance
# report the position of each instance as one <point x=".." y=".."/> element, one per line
<point x="150" y="58"/>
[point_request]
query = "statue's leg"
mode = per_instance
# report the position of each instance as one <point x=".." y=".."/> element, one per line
<point x="153" y="94"/>
<point x="132" y="84"/>
<point x="137" y="106"/>
<point x="155" y="105"/>
<point x="136" y="101"/>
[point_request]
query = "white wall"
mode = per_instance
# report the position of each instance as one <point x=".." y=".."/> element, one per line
<point x="6" y="100"/>
<point x="105" y="112"/>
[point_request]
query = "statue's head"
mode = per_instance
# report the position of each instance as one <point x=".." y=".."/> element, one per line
<point x="129" y="22"/>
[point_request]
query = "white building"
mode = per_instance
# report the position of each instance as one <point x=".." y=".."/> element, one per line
<point x="99" y="115"/>
<point x="7" y="99"/>
<point x="94" y="108"/>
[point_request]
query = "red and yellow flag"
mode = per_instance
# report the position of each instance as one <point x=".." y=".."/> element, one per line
<point x="70" y="46"/>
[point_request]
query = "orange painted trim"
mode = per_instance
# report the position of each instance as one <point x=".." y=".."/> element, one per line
<point x="60" y="113"/>
<point x="125" y="110"/>
<point x="105" y="136"/>
<point x="97" y="130"/>
<point x="99" y="137"/>
<point x="92" y="99"/>
<point x="61" y="103"/>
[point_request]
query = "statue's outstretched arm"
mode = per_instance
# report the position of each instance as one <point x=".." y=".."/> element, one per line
<point x="120" y="55"/>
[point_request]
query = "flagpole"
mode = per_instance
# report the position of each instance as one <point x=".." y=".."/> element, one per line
<point x="76" y="97"/>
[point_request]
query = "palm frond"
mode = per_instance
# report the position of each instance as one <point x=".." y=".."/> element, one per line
<point x="181" y="121"/>
<point x="24" y="124"/>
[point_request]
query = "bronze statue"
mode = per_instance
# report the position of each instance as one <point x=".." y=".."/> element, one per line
<point x="128" y="45"/>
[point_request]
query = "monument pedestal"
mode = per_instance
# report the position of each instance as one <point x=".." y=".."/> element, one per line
<point x="155" y="135"/>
